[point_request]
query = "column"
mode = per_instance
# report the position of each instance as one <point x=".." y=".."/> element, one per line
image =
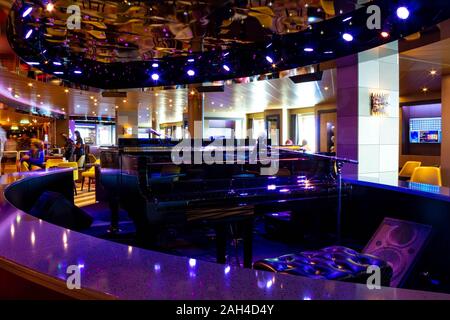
<point x="195" y="113"/>
<point x="372" y="139"/>
<point x="445" y="145"/>
<point x="127" y="123"/>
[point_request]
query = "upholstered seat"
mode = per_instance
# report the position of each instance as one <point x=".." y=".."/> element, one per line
<point x="332" y="263"/>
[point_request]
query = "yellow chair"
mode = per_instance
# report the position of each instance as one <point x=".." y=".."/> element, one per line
<point x="74" y="166"/>
<point x="408" y="169"/>
<point x="51" y="163"/>
<point x="328" y="7"/>
<point x="90" y="174"/>
<point x="427" y="175"/>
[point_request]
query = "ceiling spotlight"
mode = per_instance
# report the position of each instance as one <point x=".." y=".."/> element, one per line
<point x="29" y="33"/>
<point x="385" y="34"/>
<point x="57" y="63"/>
<point x="403" y="13"/>
<point x="66" y="90"/>
<point x="347" y="37"/>
<point x="425" y="89"/>
<point x="308" y="49"/>
<point x="58" y="72"/>
<point x="269" y="59"/>
<point x="155" y="77"/>
<point x="27" y="12"/>
<point x="326" y="88"/>
<point x="226" y="68"/>
<point x="191" y="60"/>
<point x="155" y="65"/>
<point x="191" y="73"/>
<point x="50" y="7"/>
<point x="192" y="92"/>
<point x="433" y="72"/>
<point x="77" y="72"/>
<point x="30" y="84"/>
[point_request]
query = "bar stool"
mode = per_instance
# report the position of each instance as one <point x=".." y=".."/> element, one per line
<point x="427" y="175"/>
<point x="90" y="174"/>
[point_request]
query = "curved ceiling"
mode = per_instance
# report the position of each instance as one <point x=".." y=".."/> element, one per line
<point x="142" y="43"/>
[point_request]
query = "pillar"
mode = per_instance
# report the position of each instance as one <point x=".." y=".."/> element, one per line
<point x="127" y="123"/>
<point x="371" y="139"/>
<point x="445" y="145"/>
<point x="195" y="111"/>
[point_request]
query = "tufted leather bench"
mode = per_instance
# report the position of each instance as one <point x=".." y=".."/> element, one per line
<point x="332" y="263"/>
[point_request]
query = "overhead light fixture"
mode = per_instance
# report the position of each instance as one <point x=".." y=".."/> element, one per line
<point x="347" y="37"/>
<point x="78" y="72"/>
<point x="385" y="34"/>
<point x="269" y="59"/>
<point x="403" y="13"/>
<point x="29" y="33"/>
<point x="27" y="12"/>
<point x="155" y="77"/>
<point x="57" y="63"/>
<point x="424" y="89"/>
<point x="58" y="72"/>
<point x="226" y="68"/>
<point x="433" y="72"/>
<point x="155" y="65"/>
<point x="50" y="7"/>
<point x="33" y="63"/>
<point x="308" y="49"/>
<point x="191" y="73"/>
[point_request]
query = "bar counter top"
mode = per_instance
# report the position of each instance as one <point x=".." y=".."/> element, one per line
<point x="131" y="273"/>
<point x="392" y="184"/>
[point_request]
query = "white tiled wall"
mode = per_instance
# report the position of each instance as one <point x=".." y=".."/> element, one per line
<point x="378" y="136"/>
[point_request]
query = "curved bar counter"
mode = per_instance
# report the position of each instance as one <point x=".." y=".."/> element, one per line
<point x="41" y="252"/>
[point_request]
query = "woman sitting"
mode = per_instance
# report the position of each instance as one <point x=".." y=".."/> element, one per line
<point x="34" y="159"/>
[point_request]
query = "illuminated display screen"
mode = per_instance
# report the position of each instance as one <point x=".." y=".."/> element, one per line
<point x="425" y="130"/>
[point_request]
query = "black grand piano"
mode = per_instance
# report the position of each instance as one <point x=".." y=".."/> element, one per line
<point x="159" y="190"/>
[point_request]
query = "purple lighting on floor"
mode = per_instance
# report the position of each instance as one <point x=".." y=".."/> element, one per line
<point x="155" y="77"/>
<point x="227" y="270"/>
<point x="271" y="187"/>
<point x="29" y="33"/>
<point x="403" y="13"/>
<point x="347" y="37"/>
<point x="27" y="12"/>
<point x="192" y="263"/>
<point x="155" y="65"/>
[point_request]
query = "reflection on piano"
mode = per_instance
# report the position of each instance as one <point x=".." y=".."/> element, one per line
<point x="157" y="193"/>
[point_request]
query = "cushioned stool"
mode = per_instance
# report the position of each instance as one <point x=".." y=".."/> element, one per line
<point x="332" y="263"/>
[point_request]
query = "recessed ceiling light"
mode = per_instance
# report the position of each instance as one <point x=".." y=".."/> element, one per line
<point x="424" y="89"/>
<point x="92" y="98"/>
<point x="66" y="90"/>
<point x="30" y="84"/>
<point x="326" y="88"/>
<point x="385" y="34"/>
<point x="433" y="72"/>
<point x="50" y="7"/>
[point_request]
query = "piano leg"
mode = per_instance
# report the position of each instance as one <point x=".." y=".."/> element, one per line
<point x="248" y="242"/>
<point x="221" y="242"/>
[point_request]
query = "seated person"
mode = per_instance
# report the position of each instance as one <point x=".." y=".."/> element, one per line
<point x="34" y="159"/>
<point x="305" y="147"/>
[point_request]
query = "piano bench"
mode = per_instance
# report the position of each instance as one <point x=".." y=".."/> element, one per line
<point x="332" y="263"/>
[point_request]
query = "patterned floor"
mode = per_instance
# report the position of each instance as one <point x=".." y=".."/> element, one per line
<point x="85" y="198"/>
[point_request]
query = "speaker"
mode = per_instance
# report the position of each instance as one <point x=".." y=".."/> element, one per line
<point x="308" y="77"/>
<point x="55" y="208"/>
<point x="399" y="243"/>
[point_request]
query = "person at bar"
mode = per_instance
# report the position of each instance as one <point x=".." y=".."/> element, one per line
<point x="68" y="147"/>
<point x="79" y="146"/>
<point x="34" y="159"/>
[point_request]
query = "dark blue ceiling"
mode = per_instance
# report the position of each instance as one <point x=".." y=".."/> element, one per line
<point x="270" y="53"/>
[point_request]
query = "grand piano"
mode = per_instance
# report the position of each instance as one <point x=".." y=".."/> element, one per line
<point x="158" y="190"/>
